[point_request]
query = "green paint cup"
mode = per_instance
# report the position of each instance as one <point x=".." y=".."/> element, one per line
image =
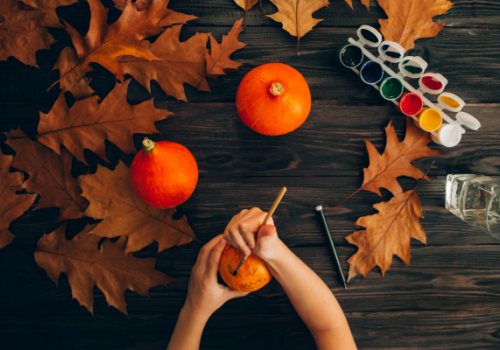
<point x="391" y="88"/>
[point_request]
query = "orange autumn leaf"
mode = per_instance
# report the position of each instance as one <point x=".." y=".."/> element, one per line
<point x="112" y="199"/>
<point x="87" y="266"/>
<point x="73" y="80"/>
<point x="396" y="160"/>
<point x="296" y="15"/>
<point x="218" y="61"/>
<point x="12" y="205"/>
<point x="410" y="20"/>
<point x="48" y="7"/>
<point x="104" y="42"/>
<point x="49" y="176"/>
<point x="169" y="19"/>
<point x="181" y="62"/>
<point x="88" y="123"/>
<point x="21" y="32"/>
<point x="387" y="233"/>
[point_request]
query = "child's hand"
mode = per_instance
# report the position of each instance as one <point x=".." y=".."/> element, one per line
<point x="205" y="295"/>
<point x="241" y="233"/>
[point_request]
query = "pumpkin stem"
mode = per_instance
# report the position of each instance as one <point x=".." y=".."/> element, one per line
<point x="276" y="89"/>
<point x="147" y="144"/>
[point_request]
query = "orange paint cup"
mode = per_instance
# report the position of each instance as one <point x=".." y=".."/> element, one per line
<point x="429" y="119"/>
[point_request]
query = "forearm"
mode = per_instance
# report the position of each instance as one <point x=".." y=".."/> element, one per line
<point x="313" y="300"/>
<point x="188" y="330"/>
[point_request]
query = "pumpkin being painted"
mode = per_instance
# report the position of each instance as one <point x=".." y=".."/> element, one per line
<point x="252" y="275"/>
<point x="273" y="99"/>
<point x="163" y="174"/>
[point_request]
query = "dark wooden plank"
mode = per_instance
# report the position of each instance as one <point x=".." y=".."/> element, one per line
<point x="452" y="278"/>
<point x="476" y="329"/>
<point x="467" y="57"/>
<point x="217" y="200"/>
<point x="329" y="143"/>
<point x="339" y="14"/>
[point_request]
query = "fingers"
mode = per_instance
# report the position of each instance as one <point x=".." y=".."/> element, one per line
<point x="237" y="241"/>
<point x="206" y="250"/>
<point x="214" y="259"/>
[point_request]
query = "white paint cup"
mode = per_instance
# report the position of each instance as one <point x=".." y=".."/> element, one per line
<point x="447" y="135"/>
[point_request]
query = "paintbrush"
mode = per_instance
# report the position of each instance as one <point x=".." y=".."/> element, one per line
<point x="268" y="216"/>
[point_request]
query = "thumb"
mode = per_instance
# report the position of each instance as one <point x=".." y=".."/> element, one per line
<point x="267" y="231"/>
<point x="231" y="293"/>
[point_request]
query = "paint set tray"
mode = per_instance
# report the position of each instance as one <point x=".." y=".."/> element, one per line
<point x="372" y="70"/>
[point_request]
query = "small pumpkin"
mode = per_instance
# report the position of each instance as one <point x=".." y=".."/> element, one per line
<point x="252" y="275"/>
<point x="273" y="99"/>
<point x="163" y="174"/>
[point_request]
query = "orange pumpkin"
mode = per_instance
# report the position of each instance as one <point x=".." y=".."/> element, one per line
<point x="252" y="275"/>
<point x="273" y="99"/>
<point x="163" y="174"/>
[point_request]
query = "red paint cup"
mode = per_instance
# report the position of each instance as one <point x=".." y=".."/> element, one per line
<point x="410" y="104"/>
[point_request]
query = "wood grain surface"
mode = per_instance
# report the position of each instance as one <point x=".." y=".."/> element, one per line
<point x="449" y="296"/>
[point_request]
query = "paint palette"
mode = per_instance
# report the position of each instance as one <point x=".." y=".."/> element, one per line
<point x="392" y="86"/>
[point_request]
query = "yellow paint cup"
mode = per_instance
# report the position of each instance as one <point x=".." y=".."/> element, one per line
<point x="429" y="119"/>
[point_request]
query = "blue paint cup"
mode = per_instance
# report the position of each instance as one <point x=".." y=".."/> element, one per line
<point x="371" y="72"/>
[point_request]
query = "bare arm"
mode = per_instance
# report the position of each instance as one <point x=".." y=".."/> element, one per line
<point x="205" y="296"/>
<point x="310" y="296"/>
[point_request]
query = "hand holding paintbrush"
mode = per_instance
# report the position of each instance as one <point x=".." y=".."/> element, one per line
<point x="268" y="216"/>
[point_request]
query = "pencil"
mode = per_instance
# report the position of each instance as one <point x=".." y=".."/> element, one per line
<point x="335" y="257"/>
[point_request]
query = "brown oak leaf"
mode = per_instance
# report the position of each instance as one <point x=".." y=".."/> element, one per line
<point x="396" y="160"/>
<point x="49" y="176"/>
<point x="88" y="123"/>
<point x="104" y="42"/>
<point x="86" y="266"/>
<point x="169" y="19"/>
<point x="75" y="82"/>
<point x="246" y="4"/>
<point x="48" y="7"/>
<point x="112" y="199"/>
<point x="410" y="20"/>
<point x="12" y="206"/>
<point x="21" y="32"/>
<point x="387" y="233"/>
<point x="218" y="61"/>
<point x="181" y="62"/>
<point x="296" y="16"/>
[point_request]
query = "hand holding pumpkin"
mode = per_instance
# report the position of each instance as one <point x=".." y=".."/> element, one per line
<point x="205" y="294"/>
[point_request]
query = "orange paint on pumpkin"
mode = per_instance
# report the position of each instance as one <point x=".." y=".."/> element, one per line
<point x="163" y="174"/>
<point x="252" y="275"/>
<point x="273" y="99"/>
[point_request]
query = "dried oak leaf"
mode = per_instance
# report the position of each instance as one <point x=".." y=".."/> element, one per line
<point x="75" y="82"/>
<point x="181" y="62"/>
<point x="88" y="123"/>
<point x="410" y="20"/>
<point x="12" y="206"/>
<point x="104" y="43"/>
<point x="396" y="160"/>
<point x="49" y="176"/>
<point x="21" y="32"/>
<point x="48" y="7"/>
<point x="387" y="233"/>
<point x="112" y="199"/>
<point x="86" y="266"/>
<point x="246" y="4"/>
<point x="169" y="19"/>
<point x="218" y="61"/>
<point x="296" y="16"/>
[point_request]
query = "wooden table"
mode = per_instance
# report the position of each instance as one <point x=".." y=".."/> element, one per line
<point x="449" y="298"/>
